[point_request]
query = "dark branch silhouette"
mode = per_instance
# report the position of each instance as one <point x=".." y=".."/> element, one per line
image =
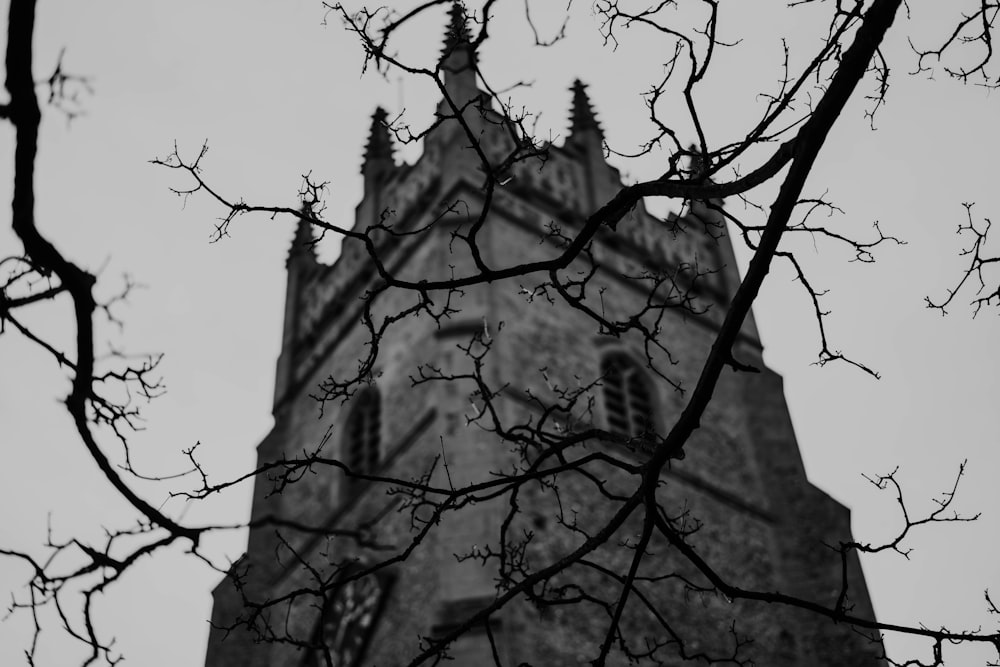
<point x="561" y="455"/>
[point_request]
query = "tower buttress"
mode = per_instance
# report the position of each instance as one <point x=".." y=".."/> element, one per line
<point x="463" y="108"/>
<point x="459" y="65"/>
<point x="378" y="151"/>
<point x="377" y="168"/>
<point x="586" y="139"/>
<point x="301" y="265"/>
<point x="458" y="58"/>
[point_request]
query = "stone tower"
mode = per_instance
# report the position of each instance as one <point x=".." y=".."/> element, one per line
<point x="740" y="494"/>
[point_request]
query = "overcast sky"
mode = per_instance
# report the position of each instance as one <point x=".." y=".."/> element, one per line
<point x="278" y="94"/>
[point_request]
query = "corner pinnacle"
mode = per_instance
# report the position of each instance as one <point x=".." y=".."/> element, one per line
<point x="379" y="144"/>
<point x="582" y="116"/>
<point x="459" y="53"/>
<point x="457" y="33"/>
<point x="303" y="243"/>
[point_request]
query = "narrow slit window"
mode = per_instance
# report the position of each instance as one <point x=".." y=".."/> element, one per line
<point x="362" y="435"/>
<point x="628" y="404"/>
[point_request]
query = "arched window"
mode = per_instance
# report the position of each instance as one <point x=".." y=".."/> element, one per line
<point x="628" y="404"/>
<point x="362" y="433"/>
<point x="348" y="618"/>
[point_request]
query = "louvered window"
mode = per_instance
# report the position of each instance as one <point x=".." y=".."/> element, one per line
<point x="362" y="434"/>
<point x="627" y="400"/>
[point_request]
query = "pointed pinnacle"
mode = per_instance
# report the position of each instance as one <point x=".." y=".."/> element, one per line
<point x="379" y="141"/>
<point x="458" y="52"/>
<point x="582" y="116"/>
<point x="302" y="243"/>
<point x="457" y="32"/>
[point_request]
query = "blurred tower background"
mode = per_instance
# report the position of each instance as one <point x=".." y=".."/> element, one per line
<point x="741" y="490"/>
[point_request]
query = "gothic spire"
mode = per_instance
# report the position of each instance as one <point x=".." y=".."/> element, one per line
<point x="457" y="35"/>
<point x="458" y="53"/>
<point x="377" y="168"/>
<point x="303" y="246"/>
<point x="379" y="146"/>
<point x="582" y="115"/>
<point x="586" y="140"/>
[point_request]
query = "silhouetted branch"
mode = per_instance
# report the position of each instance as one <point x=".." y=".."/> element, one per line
<point x="978" y="269"/>
<point x="559" y="451"/>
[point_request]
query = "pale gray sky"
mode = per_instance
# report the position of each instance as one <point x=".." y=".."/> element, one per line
<point x="277" y="94"/>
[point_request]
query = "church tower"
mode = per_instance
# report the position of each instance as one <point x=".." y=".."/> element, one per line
<point x="343" y="568"/>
